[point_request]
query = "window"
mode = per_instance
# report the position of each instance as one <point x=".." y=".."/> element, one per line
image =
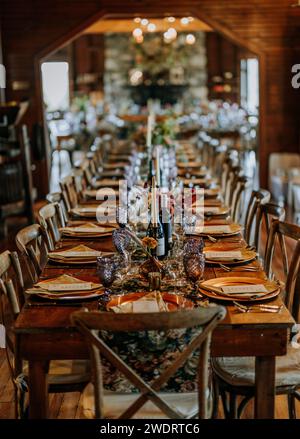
<point x="55" y="77"/>
<point x="249" y="86"/>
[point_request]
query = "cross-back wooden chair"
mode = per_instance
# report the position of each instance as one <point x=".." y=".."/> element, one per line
<point x="257" y="198"/>
<point x="33" y="245"/>
<point x="238" y="192"/>
<point x="56" y="197"/>
<point x="69" y="193"/>
<point x="236" y="376"/>
<point x="265" y="213"/>
<point x="90" y="323"/>
<point x="64" y="376"/>
<point x="51" y="218"/>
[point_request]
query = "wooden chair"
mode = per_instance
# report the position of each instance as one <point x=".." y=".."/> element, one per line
<point x="264" y="214"/>
<point x="33" y="245"/>
<point x="257" y="198"/>
<point x="236" y="376"/>
<point x="69" y="192"/>
<point x="56" y="197"/>
<point x="51" y="218"/>
<point x="239" y="187"/>
<point x="203" y="320"/>
<point x="64" y="376"/>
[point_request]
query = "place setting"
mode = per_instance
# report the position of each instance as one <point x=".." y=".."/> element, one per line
<point x="87" y="230"/>
<point x="78" y="255"/>
<point x="65" y="288"/>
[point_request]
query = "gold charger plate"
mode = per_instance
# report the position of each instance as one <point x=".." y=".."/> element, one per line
<point x="235" y="229"/>
<point x="173" y="301"/>
<point x="208" y="288"/>
<point x="247" y="256"/>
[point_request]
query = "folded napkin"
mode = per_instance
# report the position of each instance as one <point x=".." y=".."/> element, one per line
<point x="80" y="251"/>
<point x="152" y="302"/>
<point x="63" y="284"/>
<point x="87" y="229"/>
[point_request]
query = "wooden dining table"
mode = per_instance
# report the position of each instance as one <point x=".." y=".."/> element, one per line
<point x="44" y="331"/>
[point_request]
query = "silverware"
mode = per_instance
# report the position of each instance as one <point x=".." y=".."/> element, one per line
<point x="42" y="305"/>
<point x="258" y="308"/>
<point x="239" y="268"/>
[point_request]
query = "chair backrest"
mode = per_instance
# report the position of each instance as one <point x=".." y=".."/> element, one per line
<point x="11" y="281"/>
<point x="69" y="193"/>
<point x="239" y="186"/>
<point x="33" y="244"/>
<point x="261" y="196"/>
<point x="56" y="197"/>
<point x="202" y="320"/>
<point x="278" y="232"/>
<point x="51" y="218"/>
<point x="264" y="214"/>
<point x="11" y="302"/>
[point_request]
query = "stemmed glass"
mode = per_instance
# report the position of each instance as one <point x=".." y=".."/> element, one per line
<point x="107" y="267"/>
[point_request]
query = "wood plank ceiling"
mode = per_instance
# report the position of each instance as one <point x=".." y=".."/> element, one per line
<point x="271" y="28"/>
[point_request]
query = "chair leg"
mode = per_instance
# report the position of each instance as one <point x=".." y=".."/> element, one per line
<point x="216" y="395"/>
<point x="232" y="406"/>
<point x="291" y="406"/>
<point x="224" y="403"/>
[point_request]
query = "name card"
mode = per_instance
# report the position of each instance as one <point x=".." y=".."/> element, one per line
<point x="145" y="306"/>
<point x="85" y="286"/>
<point x="216" y="229"/>
<point x="87" y="230"/>
<point x="224" y="255"/>
<point x="77" y="254"/>
<point x="244" y="289"/>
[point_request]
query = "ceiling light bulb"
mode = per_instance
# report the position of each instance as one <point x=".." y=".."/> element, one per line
<point x="190" y="39"/>
<point x="184" y="21"/>
<point x="144" y="22"/>
<point x="171" y="19"/>
<point x="191" y="19"/>
<point x="151" y="27"/>
<point x="137" y="32"/>
<point x="137" y="20"/>
<point x="172" y="33"/>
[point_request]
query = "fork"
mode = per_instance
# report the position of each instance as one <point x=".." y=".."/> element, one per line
<point x="240" y="268"/>
<point x="258" y="308"/>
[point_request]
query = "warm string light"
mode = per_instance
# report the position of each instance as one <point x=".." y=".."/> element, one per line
<point x="169" y="35"/>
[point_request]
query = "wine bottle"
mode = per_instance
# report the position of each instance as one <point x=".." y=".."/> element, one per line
<point x="155" y="229"/>
<point x="166" y="220"/>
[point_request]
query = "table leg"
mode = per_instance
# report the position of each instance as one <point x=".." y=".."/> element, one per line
<point x="264" y="387"/>
<point x="38" y="389"/>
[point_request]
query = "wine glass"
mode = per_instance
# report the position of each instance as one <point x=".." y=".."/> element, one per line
<point x="107" y="267"/>
<point x="121" y="240"/>
<point x="194" y="267"/>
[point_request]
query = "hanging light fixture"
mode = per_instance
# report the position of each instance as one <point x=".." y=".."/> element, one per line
<point x="151" y="27"/>
<point x="184" y="21"/>
<point x="137" y="32"/>
<point x="190" y="39"/>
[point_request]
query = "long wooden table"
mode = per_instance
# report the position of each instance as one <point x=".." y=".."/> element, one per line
<point x="44" y="333"/>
